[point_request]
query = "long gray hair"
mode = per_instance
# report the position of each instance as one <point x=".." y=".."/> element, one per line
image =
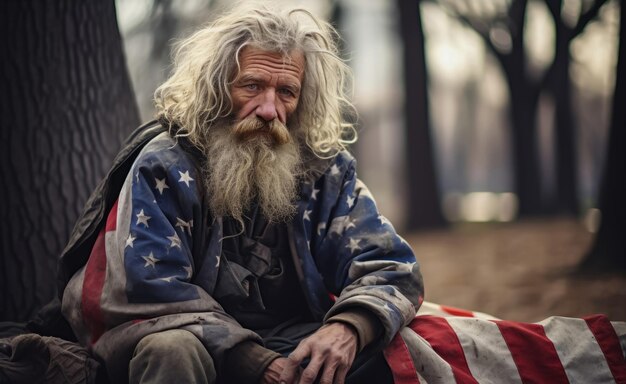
<point x="198" y="92"/>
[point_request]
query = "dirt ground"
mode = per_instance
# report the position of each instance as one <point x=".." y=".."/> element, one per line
<point x="518" y="271"/>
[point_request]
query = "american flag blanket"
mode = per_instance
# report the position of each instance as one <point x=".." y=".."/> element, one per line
<point x="146" y="257"/>
<point x="448" y="345"/>
<point x="157" y="263"/>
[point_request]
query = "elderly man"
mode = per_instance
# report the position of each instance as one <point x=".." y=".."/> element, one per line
<point x="232" y="241"/>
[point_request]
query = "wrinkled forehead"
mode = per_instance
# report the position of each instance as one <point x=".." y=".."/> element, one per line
<point x="274" y="63"/>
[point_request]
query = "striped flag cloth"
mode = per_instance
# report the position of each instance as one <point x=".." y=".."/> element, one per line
<point x="448" y="345"/>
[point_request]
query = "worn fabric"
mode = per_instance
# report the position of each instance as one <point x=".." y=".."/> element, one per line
<point x="174" y="356"/>
<point x="157" y="262"/>
<point x="447" y="345"/>
<point x="31" y="358"/>
<point x="263" y="247"/>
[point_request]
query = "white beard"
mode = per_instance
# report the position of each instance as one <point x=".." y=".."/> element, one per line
<point x="243" y="166"/>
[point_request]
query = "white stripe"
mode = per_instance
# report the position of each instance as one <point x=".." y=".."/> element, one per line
<point x="486" y="352"/>
<point x="429" y="308"/>
<point x="430" y="366"/>
<point x="432" y="309"/>
<point x="578" y="350"/>
<point x="114" y="289"/>
<point x="484" y="316"/>
<point x="620" y="330"/>
<point x="72" y="306"/>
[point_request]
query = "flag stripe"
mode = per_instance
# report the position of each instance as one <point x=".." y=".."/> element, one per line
<point x="438" y="332"/>
<point x="533" y="353"/>
<point x="93" y="283"/>
<point x="578" y="350"/>
<point x="400" y="362"/>
<point x="488" y="356"/>
<point x="431" y="368"/>
<point x="456" y="311"/>
<point x="609" y="344"/>
<point x="619" y="327"/>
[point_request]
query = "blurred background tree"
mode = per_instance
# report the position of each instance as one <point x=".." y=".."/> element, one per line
<point x="67" y="104"/>
<point x="609" y="246"/>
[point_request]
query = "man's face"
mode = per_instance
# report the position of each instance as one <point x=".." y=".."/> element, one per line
<point x="267" y="86"/>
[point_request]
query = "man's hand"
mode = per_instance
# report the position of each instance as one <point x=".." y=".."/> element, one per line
<point x="273" y="371"/>
<point x="332" y="347"/>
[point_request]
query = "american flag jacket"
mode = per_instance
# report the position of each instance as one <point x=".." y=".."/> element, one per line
<point x="148" y="258"/>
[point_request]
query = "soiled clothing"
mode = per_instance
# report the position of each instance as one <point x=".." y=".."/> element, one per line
<point x="32" y="358"/>
<point x="263" y="249"/>
<point x="152" y="361"/>
<point x="148" y="257"/>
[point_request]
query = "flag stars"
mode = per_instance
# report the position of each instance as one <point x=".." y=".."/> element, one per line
<point x="142" y="218"/>
<point x="130" y="240"/>
<point x="383" y="220"/>
<point x="189" y="271"/>
<point x="185" y="178"/>
<point x="354" y="245"/>
<point x="167" y="279"/>
<point x="320" y="228"/>
<point x="174" y="240"/>
<point x="350" y="201"/>
<point x="161" y="185"/>
<point x="314" y="194"/>
<point x="334" y="170"/>
<point x="150" y="260"/>
<point x="349" y="223"/>
<point x="307" y="214"/>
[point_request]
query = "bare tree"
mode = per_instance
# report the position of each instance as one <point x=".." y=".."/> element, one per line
<point x="501" y="26"/>
<point x="424" y="206"/>
<point x="558" y="83"/>
<point x="67" y="105"/>
<point x="609" y="247"/>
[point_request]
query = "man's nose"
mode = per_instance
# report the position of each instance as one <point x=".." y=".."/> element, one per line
<point x="266" y="109"/>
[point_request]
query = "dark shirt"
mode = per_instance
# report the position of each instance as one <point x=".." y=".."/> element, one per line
<point x="274" y="294"/>
<point x="260" y="262"/>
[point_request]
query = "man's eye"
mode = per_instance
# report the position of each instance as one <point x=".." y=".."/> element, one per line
<point x="251" y="87"/>
<point x="286" y="92"/>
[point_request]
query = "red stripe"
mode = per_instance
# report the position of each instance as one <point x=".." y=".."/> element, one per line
<point x="399" y="359"/>
<point x="456" y="311"/>
<point x="93" y="283"/>
<point x="438" y="332"/>
<point x="605" y="334"/>
<point x="533" y="353"/>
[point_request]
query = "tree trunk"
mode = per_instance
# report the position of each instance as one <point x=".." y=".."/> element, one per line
<point x="67" y="105"/>
<point x="608" y="251"/>
<point x="565" y="199"/>
<point x="424" y="206"/>
<point x="524" y="94"/>
<point x="527" y="177"/>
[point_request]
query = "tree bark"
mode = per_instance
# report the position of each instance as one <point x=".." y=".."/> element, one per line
<point x="566" y="159"/>
<point x="424" y="205"/>
<point x="525" y="156"/>
<point x="608" y="252"/>
<point x="67" y="104"/>
<point x="557" y="79"/>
